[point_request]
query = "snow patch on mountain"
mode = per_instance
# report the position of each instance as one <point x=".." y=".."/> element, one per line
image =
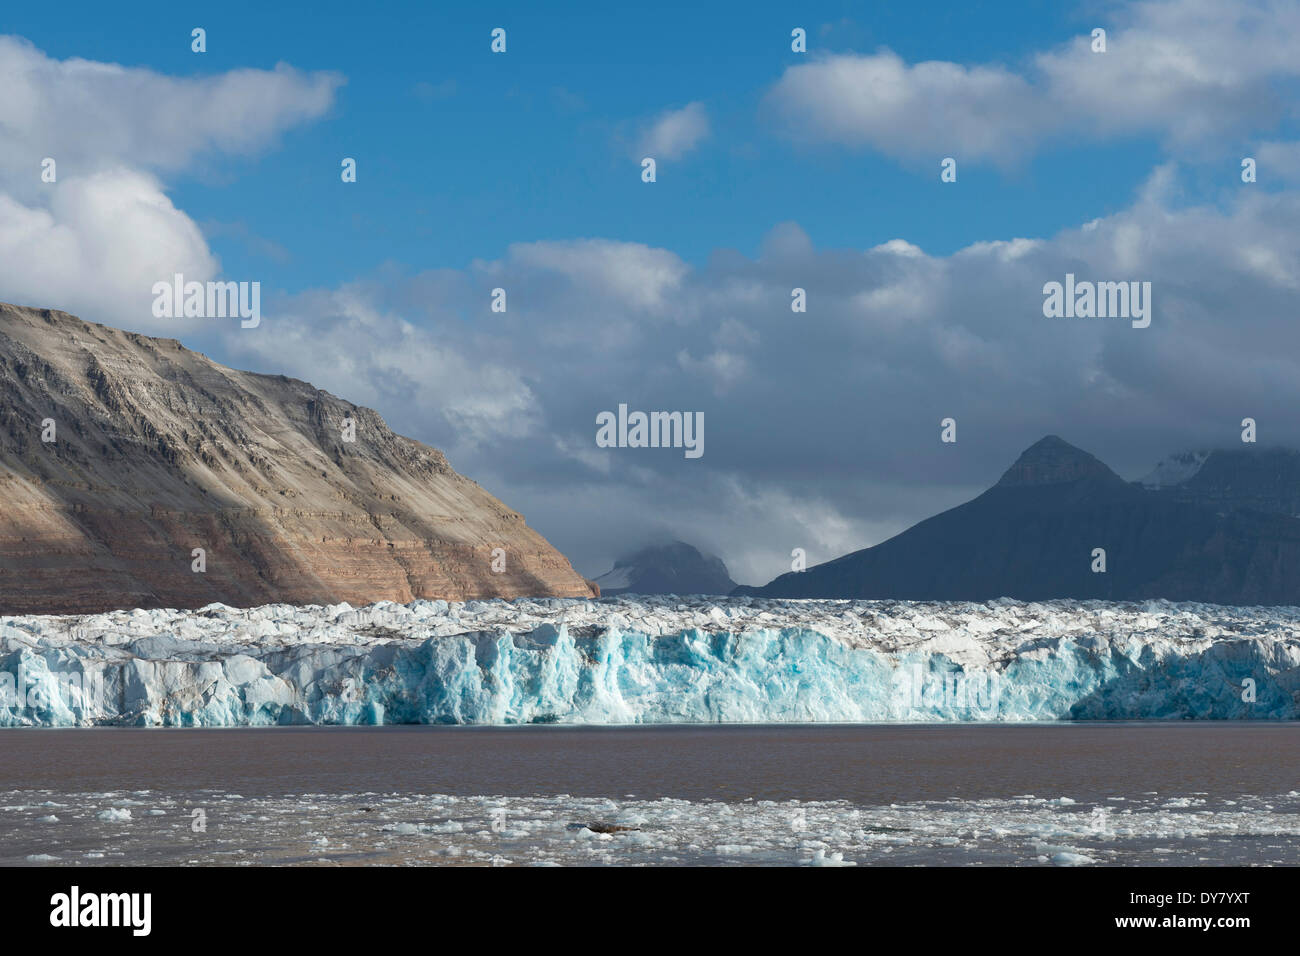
<point x="1175" y="470"/>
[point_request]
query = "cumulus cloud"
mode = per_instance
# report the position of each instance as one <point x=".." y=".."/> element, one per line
<point x="98" y="245"/>
<point x="625" y="274"/>
<point x="90" y="115"/>
<point x="346" y="341"/>
<point x="1183" y="70"/>
<point x="97" y="238"/>
<point x="926" y="109"/>
<point x="674" y="133"/>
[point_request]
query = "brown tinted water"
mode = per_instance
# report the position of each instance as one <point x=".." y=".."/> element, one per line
<point x="883" y="793"/>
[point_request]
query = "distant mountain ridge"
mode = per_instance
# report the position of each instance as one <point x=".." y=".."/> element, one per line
<point x="1233" y="479"/>
<point x="1221" y="533"/>
<point x="158" y="450"/>
<point x="673" y="568"/>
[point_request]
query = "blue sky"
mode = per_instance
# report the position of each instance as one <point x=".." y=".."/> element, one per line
<point x="534" y="144"/>
<point x="776" y="170"/>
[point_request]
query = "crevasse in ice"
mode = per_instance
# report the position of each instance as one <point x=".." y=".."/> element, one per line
<point x="651" y="660"/>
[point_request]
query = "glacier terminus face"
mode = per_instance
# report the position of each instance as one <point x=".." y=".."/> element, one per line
<point x="635" y="660"/>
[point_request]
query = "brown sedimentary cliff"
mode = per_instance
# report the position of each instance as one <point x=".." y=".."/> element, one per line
<point x="158" y="450"/>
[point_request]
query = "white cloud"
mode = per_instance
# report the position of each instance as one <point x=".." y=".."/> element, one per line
<point x="1187" y="71"/>
<point x="627" y="274"/>
<point x="96" y="240"/>
<point x="343" y="342"/>
<point x="899" y="247"/>
<point x="98" y="246"/>
<point x="929" y="109"/>
<point x="90" y="116"/>
<point x="674" y="133"/>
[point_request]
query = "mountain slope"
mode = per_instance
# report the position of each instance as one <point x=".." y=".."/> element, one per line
<point x="160" y="450"/>
<point x="674" y="568"/>
<point x="1031" y="536"/>
<point x="1233" y="479"/>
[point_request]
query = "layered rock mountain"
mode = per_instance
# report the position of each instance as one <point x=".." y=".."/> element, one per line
<point x="157" y="451"/>
<point x="672" y="568"/>
<point x="1032" y="536"/>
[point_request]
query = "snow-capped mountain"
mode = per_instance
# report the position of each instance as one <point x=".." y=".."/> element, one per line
<point x="1174" y="470"/>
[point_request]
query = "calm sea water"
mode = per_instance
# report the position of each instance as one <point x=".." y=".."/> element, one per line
<point x="1058" y="794"/>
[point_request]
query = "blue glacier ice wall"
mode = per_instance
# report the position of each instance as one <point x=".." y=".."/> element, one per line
<point x="592" y="663"/>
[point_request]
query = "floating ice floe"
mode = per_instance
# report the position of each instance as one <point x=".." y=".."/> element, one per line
<point x="546" y="829"/>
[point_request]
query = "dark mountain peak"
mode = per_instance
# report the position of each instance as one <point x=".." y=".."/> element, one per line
<point x="1220" y="529"/>
<point x="1054" y="461"/>
<point x="671" y="568"/>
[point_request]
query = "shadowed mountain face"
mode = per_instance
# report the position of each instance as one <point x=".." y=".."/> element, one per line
<point x="675" y="568"/>
<point x="1236" y="479"/>
<point x="1032" y="535"/>
<point x="158" y="451"/>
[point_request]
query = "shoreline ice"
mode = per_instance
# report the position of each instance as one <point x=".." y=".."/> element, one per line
<point x="632" y="660"/>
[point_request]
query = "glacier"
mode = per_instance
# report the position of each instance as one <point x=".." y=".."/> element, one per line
<point x="633" y="660"/>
